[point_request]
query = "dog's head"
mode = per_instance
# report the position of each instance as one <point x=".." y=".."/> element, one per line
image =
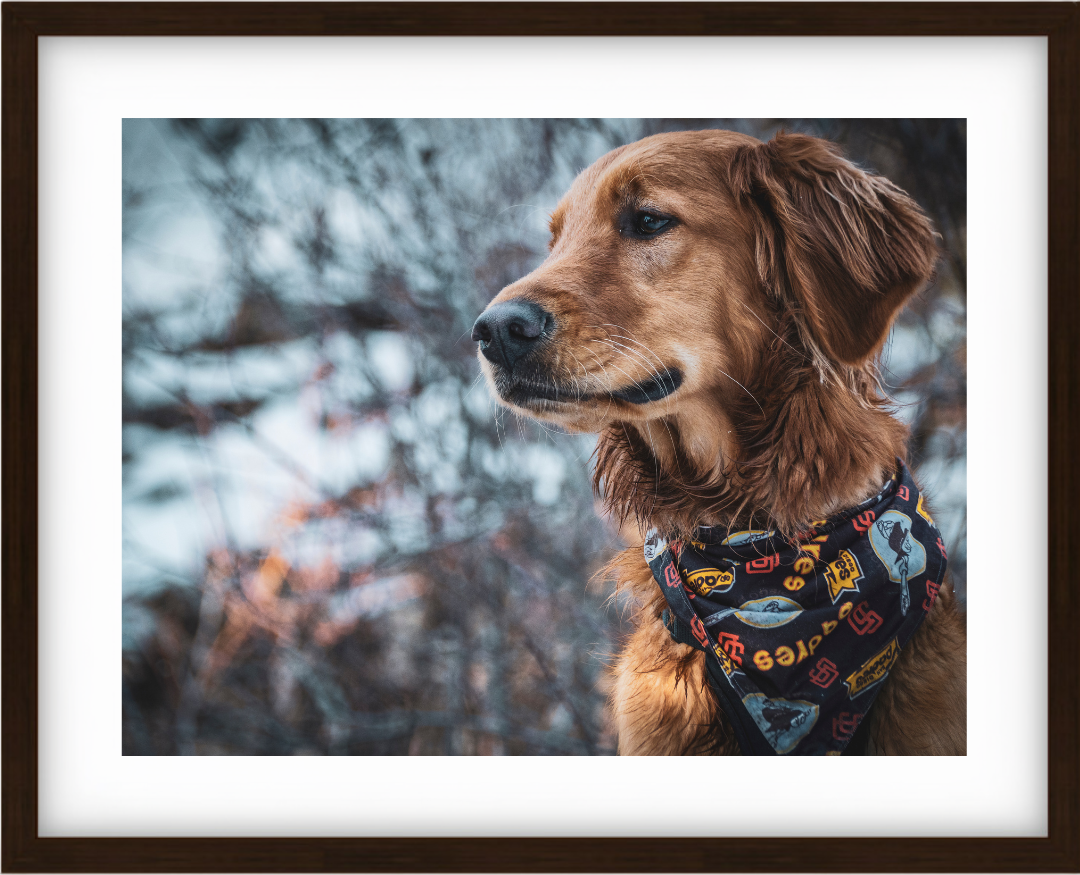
<point x="671" y="261"/>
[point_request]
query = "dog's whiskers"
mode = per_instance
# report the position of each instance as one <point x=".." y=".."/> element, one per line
<point x="750" y="310"/>
<point x="629" y="336"/>
<point x="741" y="386"/>
<point x="608" y="339"/>
<point x="627" y="351"/>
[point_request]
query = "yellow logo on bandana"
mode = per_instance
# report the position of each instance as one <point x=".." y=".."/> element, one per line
<point x="873" y="670"/>
<point x="921" y="508"/>
<point x="707" y="580"/>
<point x="843" y="573"/>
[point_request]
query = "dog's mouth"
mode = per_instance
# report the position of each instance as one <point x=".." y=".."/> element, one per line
<point x="530" y="393"/>
<point x="659" y="386"/>
<point x="526" y="393"/>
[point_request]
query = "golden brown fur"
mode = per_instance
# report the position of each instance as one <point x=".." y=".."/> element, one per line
<point x="765" y="296"/>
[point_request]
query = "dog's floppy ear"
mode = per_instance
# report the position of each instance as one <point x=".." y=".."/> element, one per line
<point x="848" y="247"/>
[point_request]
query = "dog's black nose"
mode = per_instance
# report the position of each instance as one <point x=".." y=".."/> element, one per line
<point x="509" y="331"/>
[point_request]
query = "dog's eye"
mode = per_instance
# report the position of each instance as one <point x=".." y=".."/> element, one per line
<point x="648" y="224"/>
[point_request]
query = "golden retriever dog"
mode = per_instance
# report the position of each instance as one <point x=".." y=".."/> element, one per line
<point x="714" y="308"/>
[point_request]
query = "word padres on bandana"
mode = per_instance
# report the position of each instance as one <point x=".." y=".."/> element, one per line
<point x="799" y="634"/>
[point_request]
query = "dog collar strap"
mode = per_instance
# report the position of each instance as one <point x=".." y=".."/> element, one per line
<point x="800" y="636"/>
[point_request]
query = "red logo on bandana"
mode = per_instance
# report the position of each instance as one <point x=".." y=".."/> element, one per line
<point x="932" y="591"/>
<point x="844" y="725"/>
<point x="699" y="632"/>
<point x="763" y="564"/>
<point x="731" y="645"/>
<point x="863" y="620"/>
<point x="824" y="673"/>
<point x="671" y="576"/>
<point x="863" y="521"/>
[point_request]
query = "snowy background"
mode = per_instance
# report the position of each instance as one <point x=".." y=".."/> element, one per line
<point x="334" y="542"/>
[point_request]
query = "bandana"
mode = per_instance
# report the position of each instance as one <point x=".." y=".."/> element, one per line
<point x="799" y="634"/>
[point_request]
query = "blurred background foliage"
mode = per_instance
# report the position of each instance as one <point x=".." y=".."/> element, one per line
<point x="334" y="542"/>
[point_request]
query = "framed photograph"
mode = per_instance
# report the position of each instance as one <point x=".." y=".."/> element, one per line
<point x="245" y="435"/>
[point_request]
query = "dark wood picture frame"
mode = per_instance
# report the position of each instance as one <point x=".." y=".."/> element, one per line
<point x="25" y="851"/>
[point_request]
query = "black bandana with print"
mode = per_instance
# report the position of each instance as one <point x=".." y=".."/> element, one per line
<point x="799" y="636"/>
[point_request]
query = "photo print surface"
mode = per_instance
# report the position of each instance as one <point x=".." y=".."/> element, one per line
<point x="334" y="541"/>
